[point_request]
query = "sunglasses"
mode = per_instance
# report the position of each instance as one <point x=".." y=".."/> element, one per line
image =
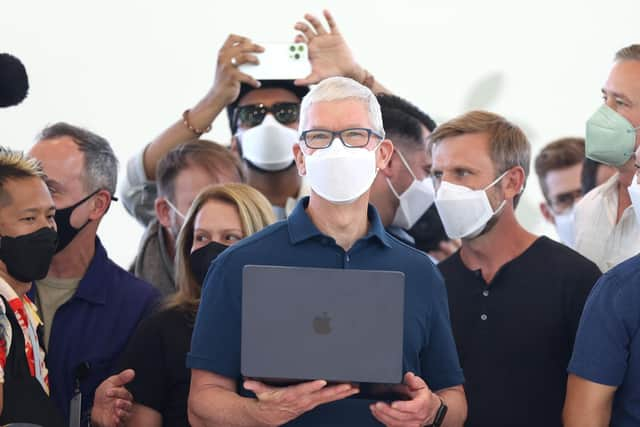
<point x="252" y="115"/>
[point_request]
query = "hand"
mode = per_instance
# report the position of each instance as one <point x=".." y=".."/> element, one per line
<point x="446" y="249"/>
<point x="328" y="52"/>
<point x="112" y="403"/>
<point x="279" y="405"/>
<point x="417" y="412"/>
<point x="235" y="51"/>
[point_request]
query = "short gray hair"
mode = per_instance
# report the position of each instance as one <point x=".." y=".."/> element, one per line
<point x="338" y="89"/>
<point x="100" y="163"/>
<point x="631" y="52"/>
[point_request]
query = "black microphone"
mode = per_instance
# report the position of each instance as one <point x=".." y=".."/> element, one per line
<point x="14" y="83"/>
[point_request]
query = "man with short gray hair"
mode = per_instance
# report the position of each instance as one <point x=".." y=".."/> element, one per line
<point x="342" y="146"/>
<point x="89" y="305"/>
<point x="515" y="298"/>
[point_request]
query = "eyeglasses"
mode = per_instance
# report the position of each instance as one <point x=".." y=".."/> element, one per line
<point x="563" y="201"/>
<point x="252" y="115"/>
<point x="317" y="139"/>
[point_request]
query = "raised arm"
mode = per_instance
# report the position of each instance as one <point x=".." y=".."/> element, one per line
<point x="225" y="89"/>
<point x="330" y="55"/>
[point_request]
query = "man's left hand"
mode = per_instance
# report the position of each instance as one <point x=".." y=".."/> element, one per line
<point x="417" y="412"/>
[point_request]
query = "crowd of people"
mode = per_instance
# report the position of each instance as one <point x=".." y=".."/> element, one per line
<point x="501" y="327"/>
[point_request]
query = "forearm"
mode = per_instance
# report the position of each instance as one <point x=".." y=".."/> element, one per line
<point x="200" y="116"/>
<point x="215" y="406"/>
<point x="360" y="75"/>
<point x="456" y="403"/>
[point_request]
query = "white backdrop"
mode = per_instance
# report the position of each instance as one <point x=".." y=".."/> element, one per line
<point x="127" y="69"/>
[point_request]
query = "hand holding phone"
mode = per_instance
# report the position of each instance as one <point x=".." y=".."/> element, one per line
<point x="279" y="61"/>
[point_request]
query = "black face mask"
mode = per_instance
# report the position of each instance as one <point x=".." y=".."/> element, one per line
<point x="202" y="258"/>
<point x="28" y="257"/>
<point x="67" y="232"/>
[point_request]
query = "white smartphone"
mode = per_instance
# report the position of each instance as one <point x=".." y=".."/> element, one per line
<point x="280" y="61"/>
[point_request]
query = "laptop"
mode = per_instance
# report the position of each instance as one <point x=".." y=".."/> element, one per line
<point x="338" y="325"/>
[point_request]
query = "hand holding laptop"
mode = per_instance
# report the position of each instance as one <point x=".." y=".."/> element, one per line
<point x="419" y="411"/>
<point x="280" y="405"/>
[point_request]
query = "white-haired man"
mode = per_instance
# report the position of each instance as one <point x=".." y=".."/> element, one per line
<point x="341" y="148"/>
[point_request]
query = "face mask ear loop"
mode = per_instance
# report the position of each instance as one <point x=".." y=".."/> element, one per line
<point x="406" y="164"/>
<point x="174" y="209"/>
<point x="496" y="180"/>
<point x="393" y="190"/>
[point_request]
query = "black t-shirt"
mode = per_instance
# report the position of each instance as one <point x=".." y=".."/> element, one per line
<point x="515" y="335"/>
<point x="157" y="353"/>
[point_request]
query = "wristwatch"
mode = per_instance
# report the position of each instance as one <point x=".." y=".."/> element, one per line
<point x="439" y="418"/>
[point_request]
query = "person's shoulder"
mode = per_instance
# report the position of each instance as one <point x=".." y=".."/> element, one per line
<point x="555" y="251"/>
<point x="165" y="318"/>
<point x="560" y="260"/>
<point x="405" y="251"/>
<point x="593" y="199"/>
<point x="625" y="276"/>
<point x="267" y="239"/>
<point x="120" y="280"/>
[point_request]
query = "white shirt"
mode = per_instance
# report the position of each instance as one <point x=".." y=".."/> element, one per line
<point x="598" y="237"/>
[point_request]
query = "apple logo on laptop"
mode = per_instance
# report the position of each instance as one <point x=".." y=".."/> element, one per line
<point x="322" y="324"/>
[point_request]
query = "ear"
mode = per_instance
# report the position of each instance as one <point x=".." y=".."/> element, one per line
<point x="383" y="156"/>
<point x="163" y="212"/>
<point x="546" y="213"/>
<point x="513" y="182"/>
<point x="298" y="155"/>
<point x="390" y="170"/>
<point x="234" y="146"/>
<point x="99" y="205"/>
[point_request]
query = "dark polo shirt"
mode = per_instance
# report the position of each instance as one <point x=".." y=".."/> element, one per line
<point x="429" y="350"/>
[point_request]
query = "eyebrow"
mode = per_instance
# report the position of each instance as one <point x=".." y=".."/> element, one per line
<point x="616" y="94"/>
<point x="36" y="210"/>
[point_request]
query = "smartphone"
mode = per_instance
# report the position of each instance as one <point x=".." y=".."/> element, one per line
<point x="280" y="61"/>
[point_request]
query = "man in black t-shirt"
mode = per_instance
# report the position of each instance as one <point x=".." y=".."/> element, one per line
<point x="515" y="299"/>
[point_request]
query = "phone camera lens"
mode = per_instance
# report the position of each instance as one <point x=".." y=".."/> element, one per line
<point x="292" y="48"/>
<point x="300" y="48"/>
<point x="297" y="56"/>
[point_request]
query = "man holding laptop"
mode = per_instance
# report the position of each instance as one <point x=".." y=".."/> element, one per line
<point x="341" y="148"/>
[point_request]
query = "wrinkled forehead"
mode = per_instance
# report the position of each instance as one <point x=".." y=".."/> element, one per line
<point x="337" y="115"/>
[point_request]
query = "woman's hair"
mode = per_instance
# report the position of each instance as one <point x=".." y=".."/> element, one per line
<point x="255" y="213"/>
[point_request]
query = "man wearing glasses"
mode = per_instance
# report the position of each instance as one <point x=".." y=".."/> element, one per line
<point x="559" y="169"/>
<point x="341" y="148"/>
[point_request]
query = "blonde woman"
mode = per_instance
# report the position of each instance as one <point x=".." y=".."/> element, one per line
<point x="220" y="216"/>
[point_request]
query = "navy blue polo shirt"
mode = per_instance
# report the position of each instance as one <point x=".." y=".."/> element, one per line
<point x="429" y="349"/>
<point x="94" y="327"/>
<point x="607" y="347"/>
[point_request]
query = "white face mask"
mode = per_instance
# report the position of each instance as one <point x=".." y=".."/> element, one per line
<point x="565" y="227"/>
<point x="634" y="193"/>
<point x="269" y="145"/>
<point x="341" y="174"/>
<point x="414" y="201"/>
<point x="464" y="211"/>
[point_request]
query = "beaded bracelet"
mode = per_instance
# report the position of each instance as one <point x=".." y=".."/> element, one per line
<point x="185" y="120"/>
